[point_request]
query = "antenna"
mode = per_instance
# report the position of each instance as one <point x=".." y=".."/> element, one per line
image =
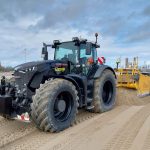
<point x="96" y="35"/>
<point x="25" y="55"/>
<point x="118" y="61"/>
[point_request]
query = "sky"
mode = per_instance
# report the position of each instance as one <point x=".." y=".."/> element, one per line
<point x="123" y="27"/>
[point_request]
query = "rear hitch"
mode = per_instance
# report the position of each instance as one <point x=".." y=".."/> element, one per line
<point x="8" y="107"/>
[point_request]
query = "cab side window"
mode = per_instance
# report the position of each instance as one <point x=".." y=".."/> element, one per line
<point x="83" y="56"/>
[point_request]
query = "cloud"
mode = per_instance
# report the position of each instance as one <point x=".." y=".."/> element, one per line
<point x="112" y="51"/>
<point x="140" y="34"/>
<point x="147" y="11"/>
<point x="62" y="16"/>
<point x="16" y="9"/>
<point x="123" y="27"/>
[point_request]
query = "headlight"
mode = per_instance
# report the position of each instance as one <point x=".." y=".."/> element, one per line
<point x="56" y="42"/>
<point x="34" y="68"/>
<point x="75" y="39"/>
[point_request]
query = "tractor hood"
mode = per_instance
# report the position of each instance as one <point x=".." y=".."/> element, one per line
<point x="36" y="65"/>
<point x="31" y="74"/>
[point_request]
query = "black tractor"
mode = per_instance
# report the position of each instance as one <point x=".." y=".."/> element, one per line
<point x="52" y="91"/>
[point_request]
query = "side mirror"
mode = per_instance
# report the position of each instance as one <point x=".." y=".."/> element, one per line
<point x="44" y="53"/>
<point x="88" y="48"/>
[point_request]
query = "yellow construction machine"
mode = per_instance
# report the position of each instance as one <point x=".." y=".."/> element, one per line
<point x="134" y="78"/>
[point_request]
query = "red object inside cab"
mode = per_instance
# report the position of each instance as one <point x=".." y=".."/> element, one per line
<point x="90" y="60"/>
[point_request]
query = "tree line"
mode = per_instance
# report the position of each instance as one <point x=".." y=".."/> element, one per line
<point x="5" y="69"/>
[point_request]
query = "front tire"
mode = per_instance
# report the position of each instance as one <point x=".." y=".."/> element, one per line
<point x="104" y="92"/>
<point x="55" y="105"/>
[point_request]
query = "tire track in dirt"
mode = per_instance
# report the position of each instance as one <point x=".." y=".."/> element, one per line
<point x="142" y="140"/>
<point x="30" y="141"/>
<point x="129" y="97"/>
<point x="124" y="138"/>
<point x="38" y="139"/>
<point x="146" y="145"/>
<point x="81" y="133"/>
<point x="16" y="135"/>
<point x="4" y="122"/>
<point x="83" y="115"/>
<point x="14" y="130"/>
<point x="105" y="133"/>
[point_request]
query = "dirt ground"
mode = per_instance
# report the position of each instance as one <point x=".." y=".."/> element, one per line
<point x="126" y="127"/>
<point x="7" y="74"/>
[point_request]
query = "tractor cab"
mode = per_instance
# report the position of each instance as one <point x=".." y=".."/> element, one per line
<point x="78" y="53"/>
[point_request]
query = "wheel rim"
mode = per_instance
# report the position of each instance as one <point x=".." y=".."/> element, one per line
<point x="63" y="106"/>
<point x="107" y="92"/>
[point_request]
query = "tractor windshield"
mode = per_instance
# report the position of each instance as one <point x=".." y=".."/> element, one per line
<point x="67" y="51"/>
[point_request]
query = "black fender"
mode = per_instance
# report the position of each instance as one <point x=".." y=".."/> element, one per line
<point x="37" y="79"/>
<point x="101" y="69"/>
<point x="80" y="83"/>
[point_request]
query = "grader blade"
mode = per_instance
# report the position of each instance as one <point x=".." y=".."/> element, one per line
<point x="134" y="79"/>
<point x="144" y="86"/>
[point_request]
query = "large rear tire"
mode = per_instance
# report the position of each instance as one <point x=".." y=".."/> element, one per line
<point x="104" y="92"/>
<point x="54" y="105"/>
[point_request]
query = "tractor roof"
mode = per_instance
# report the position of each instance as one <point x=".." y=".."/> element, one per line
<point x="76" y="39"/>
